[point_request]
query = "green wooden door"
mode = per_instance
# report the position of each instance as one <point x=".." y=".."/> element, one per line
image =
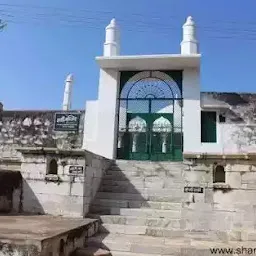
<point x="208" y="127"/>
<point x="150" y="143"/>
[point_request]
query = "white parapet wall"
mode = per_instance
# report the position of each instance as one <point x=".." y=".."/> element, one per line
<point x="101" y="117"/>
<point x="91" y="126"/>
<point x="191" y="110"/>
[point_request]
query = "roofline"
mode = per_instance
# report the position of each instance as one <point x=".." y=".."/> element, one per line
<point x="40" y="110"/>
<point x="254" y="93"/>
<point x="153" y="56"/>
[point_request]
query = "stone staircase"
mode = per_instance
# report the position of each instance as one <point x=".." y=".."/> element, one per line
<point x="140" y="207"/>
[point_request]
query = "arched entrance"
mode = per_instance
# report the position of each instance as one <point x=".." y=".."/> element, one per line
<point x="150" y="116"/>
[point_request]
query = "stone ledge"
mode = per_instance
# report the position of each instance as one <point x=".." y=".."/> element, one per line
<point x="204" y="156"/>
<point x="45" y="150"/>
<point x="10" y="160"/>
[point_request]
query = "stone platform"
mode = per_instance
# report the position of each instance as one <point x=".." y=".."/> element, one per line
<point x="43" y="235"/>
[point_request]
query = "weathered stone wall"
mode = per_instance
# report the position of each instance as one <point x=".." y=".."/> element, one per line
<point x="18" y="249"/>
<point x="229" y="206"/>
<point x="64" y="194"/>
<point x="10" y="192"/>
<point x="34" y="129"/>
<point x="238" y="133"/>
<point x="70" y="240"/>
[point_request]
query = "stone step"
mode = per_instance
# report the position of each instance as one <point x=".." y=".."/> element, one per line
<point x="116" y="253"/>
<point x="91" y="251"/>
<point x="136" y="204"/>
<point x="221" y="236"/>
<point x="133" y="245"/>
<point x="147" y="165"/>
<point x="126" y="175"/>
<point x="140" y="221"/>
<point x="130" y="188"/>
<point x="148" y="168"/>
<point x="140" y="230"/>
<point x="147" y="182"/>
<point x="165" y="196"/>
<point x="171" y="214"/>
<point x="182" y="252"/>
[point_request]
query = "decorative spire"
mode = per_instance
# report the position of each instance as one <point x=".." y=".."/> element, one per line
<point x="113" y="23"/>
<point x="112" y="44"/>
<point x="189" y="44"/>
<point x="70" y="78"/>
<point x="68" y="93"/>
<point x="190" y="21"/>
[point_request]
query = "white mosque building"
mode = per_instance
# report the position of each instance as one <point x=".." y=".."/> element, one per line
<point x="150" y="107"/>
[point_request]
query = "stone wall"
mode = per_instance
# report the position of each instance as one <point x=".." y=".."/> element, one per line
<point x="10" y="192"/>
<point x="238" y="133"/>
<point x="34" y="129"/>
<point x="228" y="206"/>
<point x="65" y="194"/>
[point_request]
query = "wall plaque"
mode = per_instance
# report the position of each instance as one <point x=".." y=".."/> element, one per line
<point x="193" y="190"/>
<point x="67" y="122"/>
<point x="76" y="169"/>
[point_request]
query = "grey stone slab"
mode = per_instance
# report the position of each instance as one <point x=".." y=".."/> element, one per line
<point x="140" y="221"/>
<point x="111" y="203"/>
<point x="195" y="252"/>
<point x="146" y="249"/>
<point x="116" y="253"/>
<point x="151" y="213"/>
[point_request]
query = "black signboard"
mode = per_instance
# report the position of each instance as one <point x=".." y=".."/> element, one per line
<point x="193" y="190"/>
<point x="76" y="169"/>
<point x="67" y="122"/>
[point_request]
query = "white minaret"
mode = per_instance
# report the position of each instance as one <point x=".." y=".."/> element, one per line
<point x="189" y="44"/>
<point x="67" y="93"/>
<point x="112" y="41"/>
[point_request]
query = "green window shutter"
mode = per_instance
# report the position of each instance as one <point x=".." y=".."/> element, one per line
<point x="208" y="127"/>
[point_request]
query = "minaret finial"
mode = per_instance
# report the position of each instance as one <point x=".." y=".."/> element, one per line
<point x="189" y="44"/>
<point x="112" y="44"/>
<point x="68" y="93"/>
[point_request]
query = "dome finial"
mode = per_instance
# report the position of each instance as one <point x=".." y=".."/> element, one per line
<point x="189" y="44"/>
<point x="112" y="44"/>
<point x="113" y="22"/>
<point x="70" y="78"/>
<point x="190" y="21"/>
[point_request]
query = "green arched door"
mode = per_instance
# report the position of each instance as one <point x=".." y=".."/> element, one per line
<point x="150" y="118"/>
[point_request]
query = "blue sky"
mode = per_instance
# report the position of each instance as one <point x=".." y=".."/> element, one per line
<point x="38" y="52"/>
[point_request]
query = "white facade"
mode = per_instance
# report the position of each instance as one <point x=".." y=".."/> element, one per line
<point x="101" y="120"/>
